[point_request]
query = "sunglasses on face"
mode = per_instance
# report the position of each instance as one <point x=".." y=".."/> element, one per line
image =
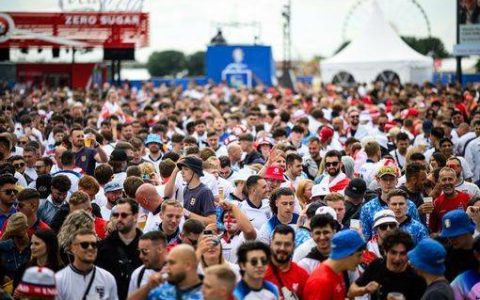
<point x="20" y="165"/>
<point x="10" y="192"/>
<point x="122" y="215"/>
<point x="355" y="117"/>
<point x="262" y="261"/>
<point x="86" y="245"/>
<point x="388" y="225"/>
<point x="331" y="164"/>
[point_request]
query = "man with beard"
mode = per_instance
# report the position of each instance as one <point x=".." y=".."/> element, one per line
<point x="402" y="143"/>
<point x="449" y="200"/>
<point x="293" y="173"/>
<point x="253" y="258"/>
<point x="390" y="274"/>
<point x="285" y="274"/>
<point x="82" y="279"/>
<point x="8" y="196"/>
<point x="113" y="192"/>
<point x="355" y="129"/>
<point x="86" y="157"/>
<point x="126" y="132"/>
<point x="153" y="253"/>
<point x="182" y="278"/>
<point x="311" y="162"/>
<point x="60" y="186"/>
<point x="336" y="180"/>
<point x="154" y="145"/>
<point x="118" y="253"/>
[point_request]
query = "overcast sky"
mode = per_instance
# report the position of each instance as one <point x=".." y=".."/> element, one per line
<point x="318" y="26"/>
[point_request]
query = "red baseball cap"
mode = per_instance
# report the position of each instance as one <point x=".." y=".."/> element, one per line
<point x="325" y="133"/>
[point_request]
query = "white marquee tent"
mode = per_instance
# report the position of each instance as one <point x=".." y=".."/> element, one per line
<point x="378" y="48"/>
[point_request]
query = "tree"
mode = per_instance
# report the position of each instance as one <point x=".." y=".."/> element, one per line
<point x="427" y="46"/>
<point x="169" y="62"/>
<point x="196" y="63"/>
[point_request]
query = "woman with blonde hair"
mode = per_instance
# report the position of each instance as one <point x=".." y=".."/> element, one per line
<point x="304" y="192"/>
<point x="79" y="219"/>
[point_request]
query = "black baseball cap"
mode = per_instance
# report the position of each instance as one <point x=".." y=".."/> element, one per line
<point x="356" y="188"/>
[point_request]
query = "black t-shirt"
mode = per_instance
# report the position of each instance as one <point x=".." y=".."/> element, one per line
<point x="459" y="261"/>
<point x="438" y="290"/>
<point x="352" y="211"/>
<point x="407" y="282"/>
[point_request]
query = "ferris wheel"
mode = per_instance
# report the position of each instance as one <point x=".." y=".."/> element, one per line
<point x="407" y="17"/>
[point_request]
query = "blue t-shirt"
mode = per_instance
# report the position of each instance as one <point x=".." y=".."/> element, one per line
<point x="3" y="217"/>
<point x="168" y="291"/>
<point x="85" y="159"/>
<point x="268" y="292"/>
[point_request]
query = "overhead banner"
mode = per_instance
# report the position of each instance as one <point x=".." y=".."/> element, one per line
<point x="87" y="29"/>
<point x="469" y="28"/>
<point x="241" y="65"/>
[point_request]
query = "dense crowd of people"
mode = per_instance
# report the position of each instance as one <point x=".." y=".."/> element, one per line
<point x="209" y="192"/>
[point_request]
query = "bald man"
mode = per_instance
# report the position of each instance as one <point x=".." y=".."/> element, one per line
<point x="181" y="269"/>
<point x="218" y="283"/>
<point x="149" y="199"/>
<point x="58" y="154"/>
<point x="235" y="154"/>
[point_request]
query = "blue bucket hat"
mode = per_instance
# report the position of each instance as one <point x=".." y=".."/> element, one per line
<point x="428" y="256"/>
<point x="153" y="138"/>
<point x="346" y="243"/>
<point x="456" y="223"/>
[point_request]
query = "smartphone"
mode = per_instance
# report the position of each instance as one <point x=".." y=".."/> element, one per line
<point x="208" y="232"/>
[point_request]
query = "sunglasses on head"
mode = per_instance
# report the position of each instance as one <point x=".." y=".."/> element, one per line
<point x="123" y="215"/>
<point x="10" y="192"/>
<point x="86" y="245"/>
<point x="262" y="261"/>
<point x="332" y="164"/>
<point x="387" y="225"/>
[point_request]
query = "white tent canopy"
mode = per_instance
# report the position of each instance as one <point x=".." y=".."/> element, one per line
<point x="376" y="49"/>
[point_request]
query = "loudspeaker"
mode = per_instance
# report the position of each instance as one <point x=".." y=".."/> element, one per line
<point x="4" y="54"/>
<point x="119" y="54"/>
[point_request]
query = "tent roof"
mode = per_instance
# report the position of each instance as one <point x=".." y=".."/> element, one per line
<point x="378" y="42"/>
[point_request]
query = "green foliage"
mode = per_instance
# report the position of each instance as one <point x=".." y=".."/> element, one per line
<point x="169" y="62"/>
<point x="196" y="63"/>
<point x="427" y="46"/>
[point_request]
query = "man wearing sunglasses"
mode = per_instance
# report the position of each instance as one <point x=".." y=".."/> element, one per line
<point x="82" y="279"/>
<point x="384" y="223"/>
<point x="253" y="258"/>
<point x="8" y="195"/>
<point x="334" y="180"/>
<point x="354" y="128"/>
<point x="118" y="253"/>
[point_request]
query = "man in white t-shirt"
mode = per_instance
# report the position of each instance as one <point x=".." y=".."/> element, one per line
<point x="82" y="279"/>
<point x="153" y="253"/>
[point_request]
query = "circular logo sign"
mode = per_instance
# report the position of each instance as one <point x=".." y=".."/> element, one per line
<point x="6" y="27"/>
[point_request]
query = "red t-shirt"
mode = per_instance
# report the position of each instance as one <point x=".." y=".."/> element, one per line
<point x="39" y="225"/>
<point x="442" y="205"/>
<point x="325" y="284"/>
<point x="294" y="279"/>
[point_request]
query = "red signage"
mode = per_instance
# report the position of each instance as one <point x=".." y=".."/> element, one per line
<point x="78" y="29"/>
